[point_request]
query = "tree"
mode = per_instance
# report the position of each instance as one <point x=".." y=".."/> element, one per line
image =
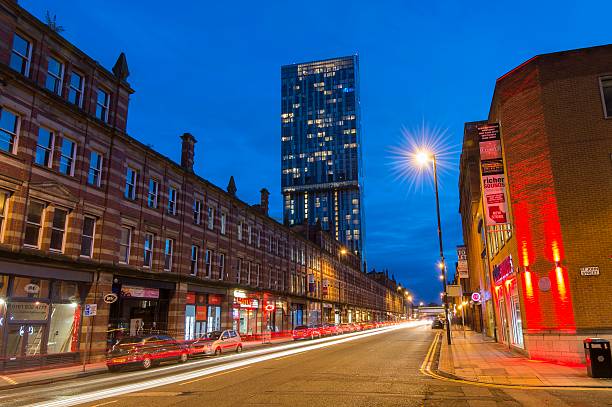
<point x="52" y="23"/>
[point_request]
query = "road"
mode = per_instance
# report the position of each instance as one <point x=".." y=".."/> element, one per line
<point x="381" y="368"/>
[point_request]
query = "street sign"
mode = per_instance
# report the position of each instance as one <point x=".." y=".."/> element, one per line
<point x="476" y="297"/>
<point x="589" y="271"/>
<point x="453" y="290"/>
<point x="90" y="310"/>
<point x="110" y="298"/>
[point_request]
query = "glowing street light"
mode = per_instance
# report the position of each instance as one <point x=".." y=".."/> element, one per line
<point x="423" y="157"/>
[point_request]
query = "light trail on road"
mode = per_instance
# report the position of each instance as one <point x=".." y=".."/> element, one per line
<point x="278" y="352"/>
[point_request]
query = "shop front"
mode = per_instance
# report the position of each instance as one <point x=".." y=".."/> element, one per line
<point x="40" y="318"/>
<point x="256" y="313"/>
<point x="298" y="314"/>
<point x="508" y="305"/>
<point x="202" y="314"/>
<point x="141" y="308"/>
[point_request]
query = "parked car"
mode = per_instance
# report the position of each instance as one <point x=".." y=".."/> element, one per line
<point x="437" y="324"/>
<point x="145" y="351"/>
<point x="216" y="343"/>
<point x="347" y="328"/>
<point x="356" y="327"/>
<point x="308" y="332"/>
<point x="331" y="329"/>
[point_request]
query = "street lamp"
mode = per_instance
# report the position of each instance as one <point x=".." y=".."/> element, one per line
<point x="423" y="158"/>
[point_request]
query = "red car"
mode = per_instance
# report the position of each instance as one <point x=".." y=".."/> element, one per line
<point x="306" y="332"/>
<point x="145" y="351"/>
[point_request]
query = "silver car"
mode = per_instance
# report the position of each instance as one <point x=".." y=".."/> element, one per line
<point x="216" y="343"/>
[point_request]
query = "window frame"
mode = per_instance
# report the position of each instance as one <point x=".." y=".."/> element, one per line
<point x="55" y="228"/>
<point x="208" y="254"/>
<point x="194" y="261"/>
<point x="126" y="259"/>
<point x="79" y="92"/>
<point x="27" y="58"/>
<point x="153" y="194"/>
<point x="602" y="94"/>
<point x="197" y="211"/>
<point x="239" y="234"/>
<point x="58" y="78"/>
<point x="49" y="149"/>
<point x="72" y="159"/>
<point x="39" y="225"/>
<point x="15" y="135"/>
<point x="94" y="169"/>
<point x="172" y="200"/>
<point x="132" y="195"/>
<point x="148" y="264"/>
<point x="211" y="218"/>
<point x="223" y="225"/>
<point x="4" y="211"/>
<point x="168" y="254"/>
<point x="104" y="108"/>
<point x="92" y="237"/>
<point x="221" y="265"/>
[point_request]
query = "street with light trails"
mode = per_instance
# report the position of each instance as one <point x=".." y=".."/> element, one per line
<point x="383" y="367"/>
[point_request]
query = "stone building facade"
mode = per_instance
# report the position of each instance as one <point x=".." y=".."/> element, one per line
<point x="101" y="236"/>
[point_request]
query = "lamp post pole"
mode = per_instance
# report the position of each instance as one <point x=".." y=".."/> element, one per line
<point x="442" y="262"/>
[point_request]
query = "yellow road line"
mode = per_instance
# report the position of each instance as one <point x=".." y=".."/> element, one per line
<point x="105" y="404"/>
<point x="214" y="375"/>
<point x="429" y="358"/>
<point x="8" y="379"/>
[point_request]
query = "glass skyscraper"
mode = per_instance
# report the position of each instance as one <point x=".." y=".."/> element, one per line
<point x="321" y="147"/>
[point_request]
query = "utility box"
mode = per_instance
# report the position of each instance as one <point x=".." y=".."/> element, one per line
<point x="598" y="357"/>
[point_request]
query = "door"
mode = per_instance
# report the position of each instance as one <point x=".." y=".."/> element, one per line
<point x="24" y="340"/>
<point x="503" y="319"/>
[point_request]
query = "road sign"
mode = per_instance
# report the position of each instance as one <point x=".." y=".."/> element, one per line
<point x="476" y="297"/>
<point x="90" y="310"/>
<point x="110" y="298"/>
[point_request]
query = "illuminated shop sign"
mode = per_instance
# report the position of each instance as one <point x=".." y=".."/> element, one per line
<point x="139" y="292"/>
<point x="28" y="311"/>
<point x="503" y="270"/>
<point x="248" y="302"/>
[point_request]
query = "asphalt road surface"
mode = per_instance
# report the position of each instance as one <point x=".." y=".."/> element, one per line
<point x="379" y="368"/>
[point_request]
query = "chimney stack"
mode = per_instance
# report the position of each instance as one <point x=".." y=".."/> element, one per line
<point x="187" y="151"/>
<point x="263" y="203"/>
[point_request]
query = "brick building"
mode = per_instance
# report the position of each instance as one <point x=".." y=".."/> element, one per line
<point x="92" y="216"/>
<point x="554" y="113"/>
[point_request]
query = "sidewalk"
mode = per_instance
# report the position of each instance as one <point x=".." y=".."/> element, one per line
<point x="18" y="379"/>
<point x="479" y="360"/>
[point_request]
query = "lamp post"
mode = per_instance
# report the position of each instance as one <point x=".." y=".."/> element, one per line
<point x="424" y="158"/>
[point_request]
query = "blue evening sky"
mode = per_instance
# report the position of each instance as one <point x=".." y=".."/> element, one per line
<point x="213" y="69"/>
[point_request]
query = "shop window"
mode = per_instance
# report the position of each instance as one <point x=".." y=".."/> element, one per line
<point x="64" y="328"/>
<point x="58" y="230"/>
<point x="65" y="291"/>
<point x="24" y="287"/>
<point x="34" y="218"/>
<point x="124" y="245"/>
<point x="24" y="340"/>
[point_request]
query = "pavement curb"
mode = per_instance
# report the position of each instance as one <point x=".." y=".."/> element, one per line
<point x="52" y="380"/>
<point x="435" y="369"/>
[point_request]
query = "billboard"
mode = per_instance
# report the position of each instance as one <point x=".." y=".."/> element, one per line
<point x="492" y="173"/>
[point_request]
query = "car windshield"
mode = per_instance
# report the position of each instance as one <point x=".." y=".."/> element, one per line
<point x="213" y="335"/>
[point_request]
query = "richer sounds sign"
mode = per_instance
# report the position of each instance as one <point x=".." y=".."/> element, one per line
<point x="493" y="177"/>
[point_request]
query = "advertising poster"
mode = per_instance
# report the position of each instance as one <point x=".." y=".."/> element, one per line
<point x="492" y="173"/>
<point x="462" y="264"/>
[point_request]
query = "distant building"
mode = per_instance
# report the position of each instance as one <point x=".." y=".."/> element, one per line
<point x="321" y="148"/>
<point x="545" y="275"/>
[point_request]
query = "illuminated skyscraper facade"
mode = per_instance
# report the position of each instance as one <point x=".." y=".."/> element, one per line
<point x="321" y="147"/>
